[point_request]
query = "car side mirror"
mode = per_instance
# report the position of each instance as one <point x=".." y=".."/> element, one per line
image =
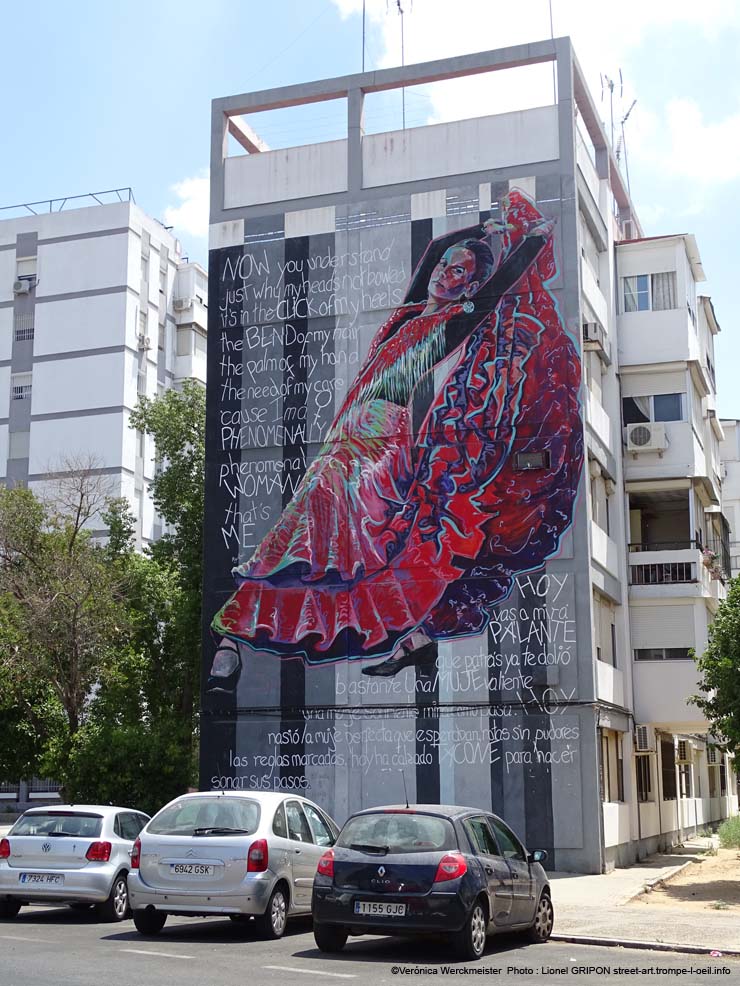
<point x="538" y="856"/>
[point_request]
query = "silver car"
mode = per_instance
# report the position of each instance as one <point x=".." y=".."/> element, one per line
<point x="69" y="854"/>
<point x="230" y="854"/>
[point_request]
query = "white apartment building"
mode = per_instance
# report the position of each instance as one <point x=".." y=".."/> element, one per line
<point x="97" y="307"/>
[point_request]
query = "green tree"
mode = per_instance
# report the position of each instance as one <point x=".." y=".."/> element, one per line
<point x="62" y="615"/>
<point x="720" y="670"/>
<point x="176" y="421"/>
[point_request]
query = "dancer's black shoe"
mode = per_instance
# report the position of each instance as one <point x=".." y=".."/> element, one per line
<point x="226" y="669"/>
<point x="419" y="656"/>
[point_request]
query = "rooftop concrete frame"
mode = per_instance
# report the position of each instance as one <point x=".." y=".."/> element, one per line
<point x="571" y="89"/>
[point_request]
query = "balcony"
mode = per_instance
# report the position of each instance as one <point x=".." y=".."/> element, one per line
<point x="598" y="420"/>
<point x="675" y="568"/>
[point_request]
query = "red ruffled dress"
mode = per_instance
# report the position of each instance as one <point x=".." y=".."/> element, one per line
<point x="391" y="531"/>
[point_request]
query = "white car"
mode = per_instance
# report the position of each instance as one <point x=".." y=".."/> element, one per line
<point x="69" y="854"/>
<point x="229" y="854"/>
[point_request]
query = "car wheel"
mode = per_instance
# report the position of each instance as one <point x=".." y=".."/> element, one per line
<point x="272" y="923"/>
<point x="116" y="907"/>
<point x="148" y="921"/>
<point x="544" y="919"/>
<point x="470" y="941"/>
<point x="9" y="907"/>
<point x="330" y="937"/>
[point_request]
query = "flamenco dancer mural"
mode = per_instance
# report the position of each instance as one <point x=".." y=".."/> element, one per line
<point x="402" y="536"/>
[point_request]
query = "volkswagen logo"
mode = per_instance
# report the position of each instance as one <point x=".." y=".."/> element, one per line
<point x="46" y="847"/>
<point x="381" y="871"/>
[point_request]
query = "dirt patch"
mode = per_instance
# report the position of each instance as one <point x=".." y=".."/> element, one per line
<point x="710" y="885"/>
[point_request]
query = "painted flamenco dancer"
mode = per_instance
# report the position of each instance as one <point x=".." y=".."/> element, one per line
<point x="398" y="539"/>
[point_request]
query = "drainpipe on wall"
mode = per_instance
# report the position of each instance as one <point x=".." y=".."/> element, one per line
<point x="659" y="777"/>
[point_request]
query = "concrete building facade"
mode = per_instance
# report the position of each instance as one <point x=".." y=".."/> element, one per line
<point x="565" y="708"/>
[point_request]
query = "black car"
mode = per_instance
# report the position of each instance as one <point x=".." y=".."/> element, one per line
<point x="425" y="869"/>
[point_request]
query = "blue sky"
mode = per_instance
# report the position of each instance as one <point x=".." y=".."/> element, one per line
<point x="105" y="95"/>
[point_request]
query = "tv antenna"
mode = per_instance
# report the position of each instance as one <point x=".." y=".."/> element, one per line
<point x="401" y="12"/>
<point x="607" y="83"/>
<point x="622" y="145"/>
<point x="403" y="777"/>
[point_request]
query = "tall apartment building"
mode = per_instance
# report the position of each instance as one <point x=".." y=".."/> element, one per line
<point x="97" y="307"/>
<point x="730" y="458"/>
<point x="474" y="505"/>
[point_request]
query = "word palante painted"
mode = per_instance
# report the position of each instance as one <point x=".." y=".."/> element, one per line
<point x="407" y="528"/>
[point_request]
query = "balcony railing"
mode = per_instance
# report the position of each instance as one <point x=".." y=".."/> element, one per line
<point x="666" y="546"/>
<point x="664" y="573"/>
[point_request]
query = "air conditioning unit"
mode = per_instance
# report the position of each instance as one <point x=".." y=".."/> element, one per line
<point x="22" y="286"/>
<point x="182" y="304"/>
<point x="683" y="751"/>
<point x="644" y="739"/>
<point x="145" y="342"/>
<point x="649" y="436"/>
<point x="596" y="340"/>
<point x="712" y="757"/>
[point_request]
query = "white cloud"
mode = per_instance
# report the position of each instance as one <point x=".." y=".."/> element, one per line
<point x="190" y="216"/>
<point x="675" y="137"/>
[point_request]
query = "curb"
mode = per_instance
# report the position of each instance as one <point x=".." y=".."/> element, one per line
<point x="660" y="880"/>
<point x="656" y="946"/>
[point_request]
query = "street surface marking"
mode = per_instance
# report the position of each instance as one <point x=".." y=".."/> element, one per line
<point x="46" y="941"/>
<point x="163" y="955"/>
<point x="310" y="972"/>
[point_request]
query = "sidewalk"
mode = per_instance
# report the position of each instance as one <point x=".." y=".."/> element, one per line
<point x="590" y="908"/>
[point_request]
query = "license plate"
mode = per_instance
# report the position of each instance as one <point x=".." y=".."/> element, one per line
<point x="55" y="879"/>
<point x="380" y="907"/>
<point x="192" y="869"/>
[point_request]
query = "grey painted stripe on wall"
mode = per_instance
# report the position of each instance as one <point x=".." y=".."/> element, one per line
<point x="83" y="353"/>
<point x="87" y="412"/>
<point x="91" y="293"/>
<point x="92" y="235"/>
<point x="101" y="471"/>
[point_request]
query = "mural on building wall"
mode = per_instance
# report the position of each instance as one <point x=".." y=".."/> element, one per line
<point x="393" y="458"/>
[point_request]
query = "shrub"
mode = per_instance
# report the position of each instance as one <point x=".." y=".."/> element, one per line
<point x="729" y="833"/>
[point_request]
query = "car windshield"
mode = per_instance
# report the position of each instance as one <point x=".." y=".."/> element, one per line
<point x="207" y="816"/>
<point x="59" y="823"/>
<point x="397" y="832"/>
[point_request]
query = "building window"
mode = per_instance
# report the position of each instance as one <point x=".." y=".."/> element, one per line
<point x="637" y="293"/>
<point x="23" y="327"/>
<point x="161" y="337"/>
<point x="661" y="407"/>
<point x="25" y="268"/>
<point x="19" y="443"/>
<point x="141" y="378"/>
<point x="650" y="292"/>
<point x="184" y="341"/>
<point x="614" y="645"/>
<point x="163" y="282"/>
<point x="145" y="269"/>
<point x="684" y="780"/>
<point x="668" y="769"/>
<point x="722" y="780"/>
<point x="533" y="460"/>
<point x="603" y="765"/>
<point x="611" y="766"/>
<point x="713" y="772"/>
<point x="644" y="786"/>
<point x="668" y="407"/>
<point x="20" y="386"/>
<point x="663" y="654"/>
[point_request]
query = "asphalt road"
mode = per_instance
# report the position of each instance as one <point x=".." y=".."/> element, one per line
<point x="61" y="947"/>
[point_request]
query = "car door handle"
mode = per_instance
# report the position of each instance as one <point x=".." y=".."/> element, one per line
<point x="297" y="852"/>
<point x="489" y="870"/>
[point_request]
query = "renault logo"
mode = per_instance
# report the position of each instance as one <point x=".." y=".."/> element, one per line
<point x="46" y="847"/>
<point x="381" y="871"/>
